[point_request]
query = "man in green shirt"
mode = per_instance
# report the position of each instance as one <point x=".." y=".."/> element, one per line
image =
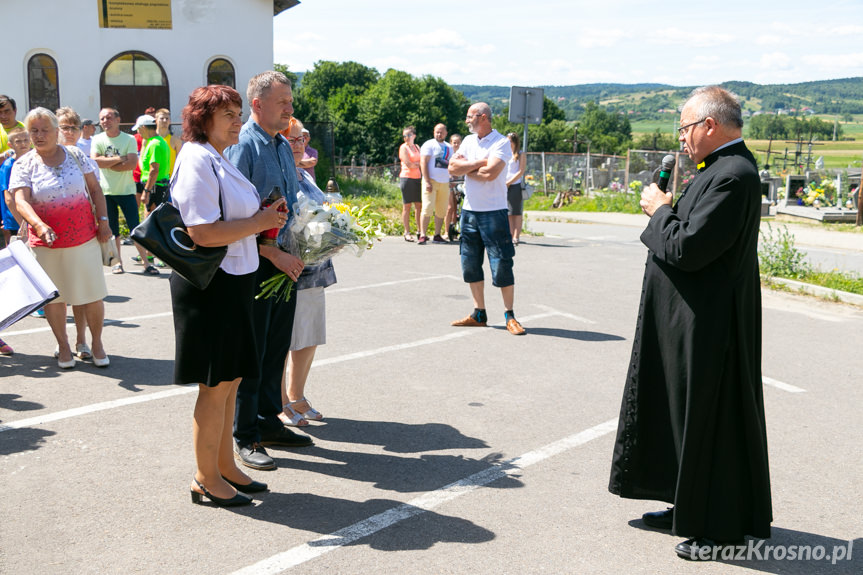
<point x="8" y="110"/>
<point x="154" y="164"/>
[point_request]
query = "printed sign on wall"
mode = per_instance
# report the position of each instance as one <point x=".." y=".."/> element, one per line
<point x="145" y="14"/>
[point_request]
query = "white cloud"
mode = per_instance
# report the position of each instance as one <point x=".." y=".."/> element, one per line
<point x="846" y="30"/>
<point x="691" y="37"/>
<point x="776" y="60"/>
<point x="839" y="64"/>
<point x="768" y="40"/>
<point x="598" y="38"/>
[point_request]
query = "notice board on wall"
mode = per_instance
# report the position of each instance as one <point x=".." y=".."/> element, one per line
<point x="143" y="14"/>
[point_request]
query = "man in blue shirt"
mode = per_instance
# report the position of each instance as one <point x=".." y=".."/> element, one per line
<point x="264" y="156"/>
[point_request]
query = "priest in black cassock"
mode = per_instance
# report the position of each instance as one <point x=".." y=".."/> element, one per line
<point x="692" y="430"/>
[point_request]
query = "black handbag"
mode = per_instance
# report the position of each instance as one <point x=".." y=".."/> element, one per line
<point x="164" y="234"/>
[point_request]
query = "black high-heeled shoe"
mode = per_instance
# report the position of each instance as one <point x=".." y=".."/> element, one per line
<point x="235" y="501"/>
<point x="253" y="487"/>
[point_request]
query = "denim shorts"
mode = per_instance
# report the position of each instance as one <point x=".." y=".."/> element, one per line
<point x="487" y="231"/>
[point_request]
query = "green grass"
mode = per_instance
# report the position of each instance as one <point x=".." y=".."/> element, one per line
<point x="842" y="281"/>
<point x="597" y="202"/>
<point x="383" y="196"/>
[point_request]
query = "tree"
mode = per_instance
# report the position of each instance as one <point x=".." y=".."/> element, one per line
<point x="384" y="110"/>
<point x="609" y="133"/>
<point x="331" y="92"/>
<point x="553" y="134"/>
<point x="657" y="141"/>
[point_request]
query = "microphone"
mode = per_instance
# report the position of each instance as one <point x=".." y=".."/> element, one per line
<point x="665" y="170"/>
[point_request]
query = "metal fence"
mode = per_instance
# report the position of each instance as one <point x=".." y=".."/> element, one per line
<point x="551" y="172"/>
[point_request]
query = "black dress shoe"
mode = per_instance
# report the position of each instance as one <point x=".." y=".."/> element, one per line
<point x="284" y="437"/>
<point x="704" y="549"/>
<point x="253" y="487"/>
<point x="659" y="519"/>
<point x="235" y="501"/>
<point x="255" y="456"/>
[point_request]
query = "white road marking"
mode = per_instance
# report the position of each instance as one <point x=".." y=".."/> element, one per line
<point x="564" y="314"/>
<point x="87" y="409"/>
<point x="168" y="313"/>
<point x="782" y="385"/>
<point x="392" y="283"/>
<point x="107" y="322"/>
<point x="92" y="408"/>
<point x="322" y="545"/>
<point x="428" y="341"/>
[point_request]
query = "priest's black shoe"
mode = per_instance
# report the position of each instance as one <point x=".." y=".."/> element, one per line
<point x="284" y="437"/>
<point x="253" y="487"/>
<point x="704" y="549"/>
<point x="659" y="519"/>
<point x="255" y="456"/>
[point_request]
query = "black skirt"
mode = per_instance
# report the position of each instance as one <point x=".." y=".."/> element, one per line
<point x="411" y="190"/>
<point x="214" y="330"/>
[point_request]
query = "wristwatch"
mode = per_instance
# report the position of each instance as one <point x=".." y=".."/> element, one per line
<point x="103" y="218"/>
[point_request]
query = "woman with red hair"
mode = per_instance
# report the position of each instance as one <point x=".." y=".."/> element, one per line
<point x="215" y="343"/>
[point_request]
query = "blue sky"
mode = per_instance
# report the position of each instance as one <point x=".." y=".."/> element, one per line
<point x="552" y="42"/>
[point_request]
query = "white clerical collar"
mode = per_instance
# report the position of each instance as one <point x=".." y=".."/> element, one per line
<point x="727" y="144"/>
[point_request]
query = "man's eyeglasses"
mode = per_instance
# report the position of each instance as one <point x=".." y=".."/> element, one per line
<point x="297" y="140"/>
<point x="470" y="117"/>
<point x="682" y="129"/>
<point x="70" y="128"/>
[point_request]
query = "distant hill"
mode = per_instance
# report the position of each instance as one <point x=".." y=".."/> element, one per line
<point x="653" y="101"/>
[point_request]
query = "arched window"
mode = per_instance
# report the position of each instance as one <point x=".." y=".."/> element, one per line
<point x="220" y="71"/>
<point x="43" y="82"/>
<point x="134" y="69"/>
<point x="132" y="82"/>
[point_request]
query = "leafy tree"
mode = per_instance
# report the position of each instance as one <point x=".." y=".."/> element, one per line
<point x="657" y="140"/>
<point x="291" y="76"/>
<point x="608" y="132"/>
<point x="384" y="110"/>
<point x="554" y="134"/>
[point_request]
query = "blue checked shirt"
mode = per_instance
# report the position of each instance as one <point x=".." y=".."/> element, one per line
<point x="266" y="162"/>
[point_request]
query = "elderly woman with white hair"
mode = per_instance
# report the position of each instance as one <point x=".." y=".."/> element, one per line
<point x="51" y="185"/>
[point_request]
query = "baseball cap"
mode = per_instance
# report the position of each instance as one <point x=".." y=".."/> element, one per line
<point x="86" y="122"/>
<point x="145" y="120"/>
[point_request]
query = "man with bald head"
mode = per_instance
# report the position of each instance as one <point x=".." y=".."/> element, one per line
<point x="435" y="155"/>
<point x="482" y="159"/>
<point x="692" y="431"/>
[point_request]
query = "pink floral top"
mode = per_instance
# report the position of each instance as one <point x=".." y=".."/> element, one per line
<point x="58" y="196"/>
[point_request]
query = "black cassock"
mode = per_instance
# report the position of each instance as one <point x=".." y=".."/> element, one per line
<point x="692" y="430"/>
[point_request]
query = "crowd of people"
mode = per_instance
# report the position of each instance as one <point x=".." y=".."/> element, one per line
<point x="430" y="191"/>
<point x="692" y="427"/>
<point x="250" y="357"/>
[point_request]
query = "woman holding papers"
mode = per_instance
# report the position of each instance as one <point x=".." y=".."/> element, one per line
<point x="51" y="185"/>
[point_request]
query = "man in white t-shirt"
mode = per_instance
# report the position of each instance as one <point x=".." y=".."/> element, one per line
<point x="482" y="159"/>
<point x="435" y="155"/>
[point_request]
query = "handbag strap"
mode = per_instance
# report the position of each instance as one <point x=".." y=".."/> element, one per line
<point x="218" y="182"/>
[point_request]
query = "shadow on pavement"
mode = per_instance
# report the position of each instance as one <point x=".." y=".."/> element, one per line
<point x="327" y="515"/>
<point x="21" y="440"/>
<point x="132" y="373"/>
<point x="392" y="472"/>
<point x="568" y="333"/>
<point x="394" y="436"/>
<point x="787" y="552"/>
<point x="12" y="402"/>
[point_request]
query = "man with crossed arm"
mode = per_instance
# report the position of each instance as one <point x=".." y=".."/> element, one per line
<point x="482" y="159"/>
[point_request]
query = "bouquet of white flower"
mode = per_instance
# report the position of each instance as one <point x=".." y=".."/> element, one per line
<point x="318" y="232"/>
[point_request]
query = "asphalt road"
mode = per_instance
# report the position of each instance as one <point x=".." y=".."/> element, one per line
<point x="444" y="450"/>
